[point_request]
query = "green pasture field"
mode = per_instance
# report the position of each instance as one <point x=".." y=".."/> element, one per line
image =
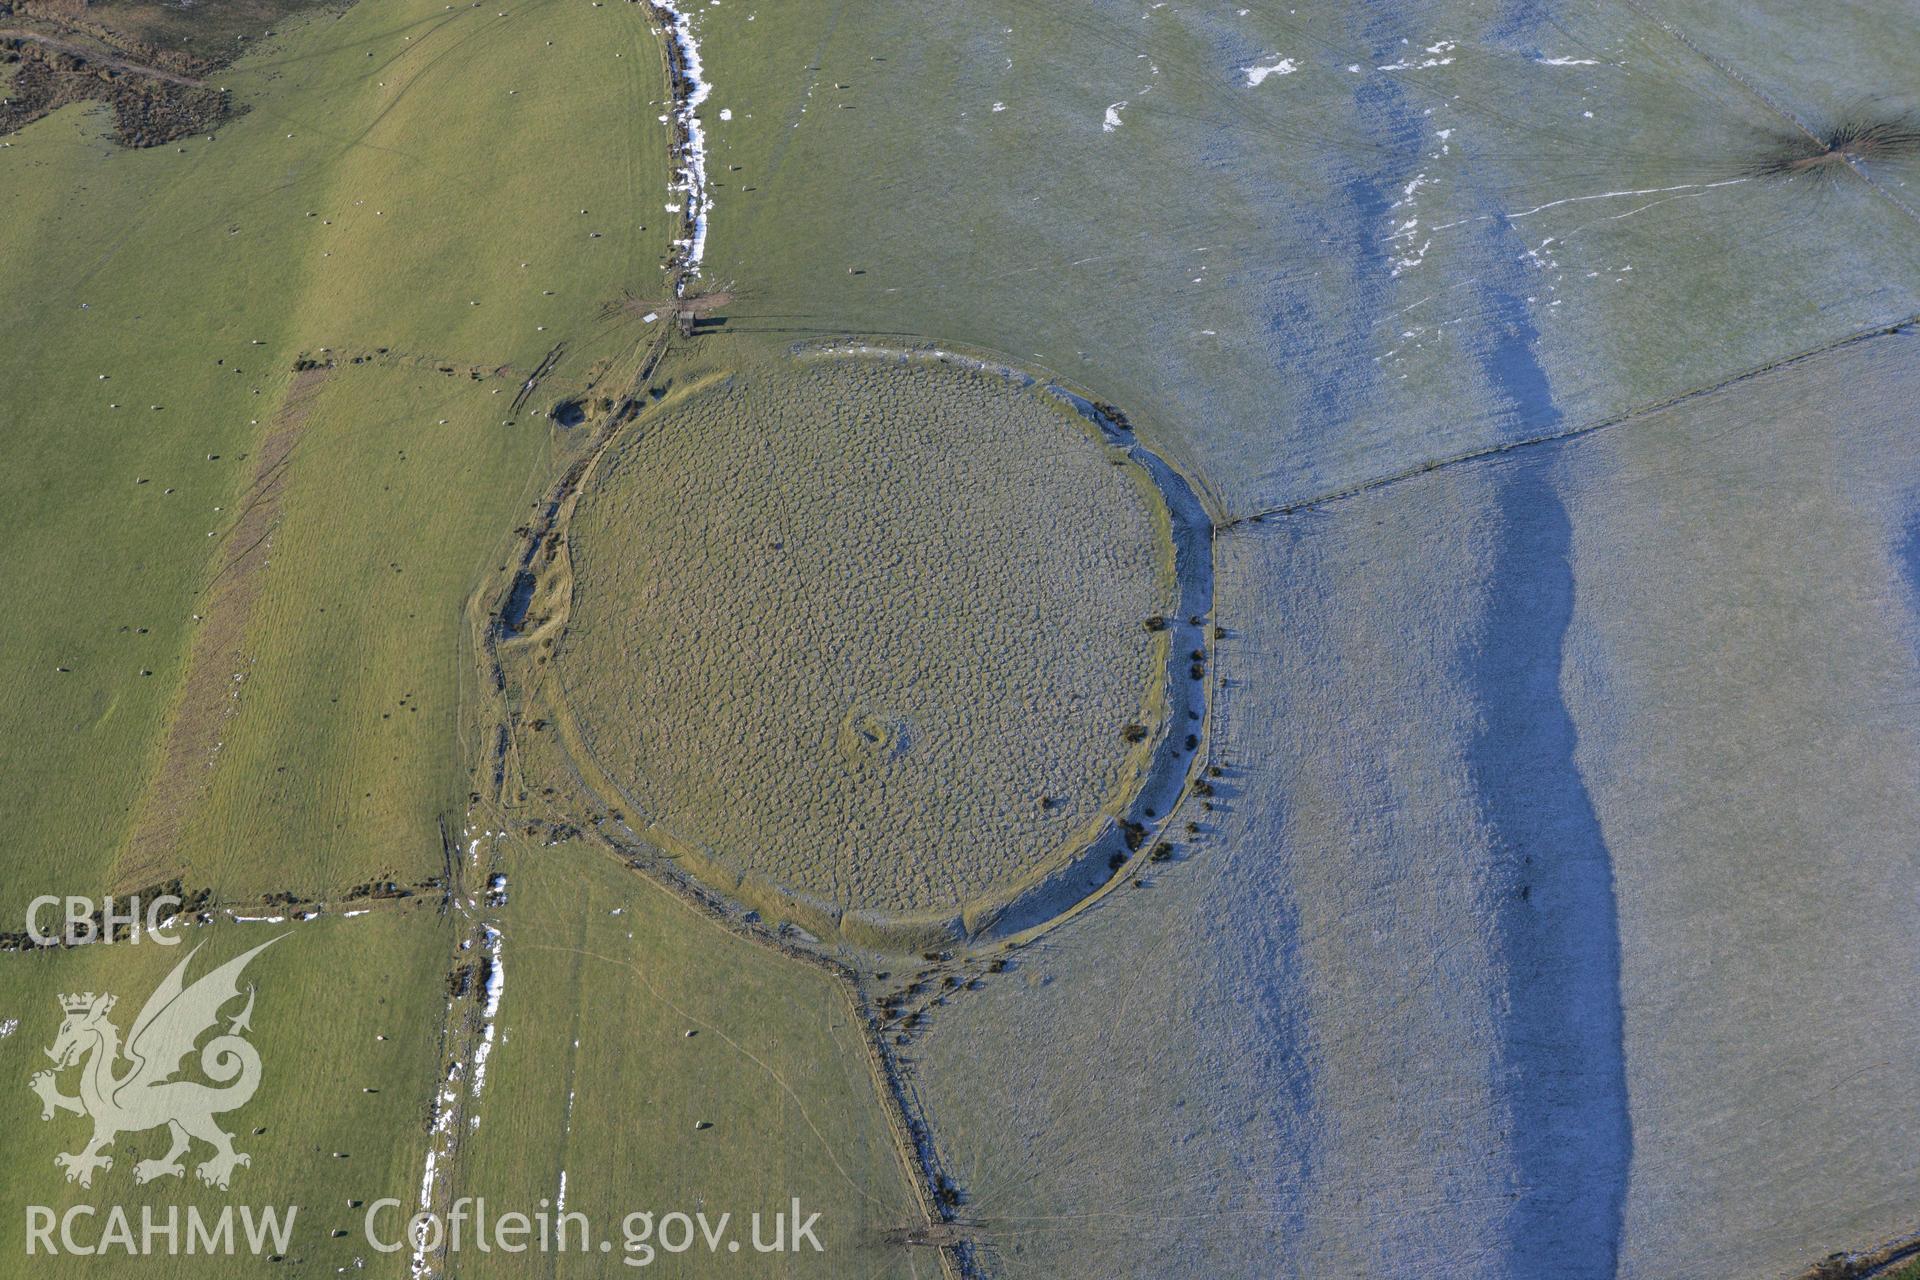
<point x="351" y="750"/>
<point x="596" y="1077"/>
<point x="346" y="1020"/>
<point x="445" y="157"/>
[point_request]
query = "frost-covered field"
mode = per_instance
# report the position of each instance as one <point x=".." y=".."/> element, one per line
<point x="1332" y="274"/>
<point x="1548" y="916"/>
<point x="1544" y="922"/>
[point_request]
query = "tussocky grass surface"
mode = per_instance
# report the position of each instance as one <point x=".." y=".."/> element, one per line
<point x="878" y="631"/>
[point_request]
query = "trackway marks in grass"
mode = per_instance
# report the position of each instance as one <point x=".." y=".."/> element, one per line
<point x="217" y="659"/>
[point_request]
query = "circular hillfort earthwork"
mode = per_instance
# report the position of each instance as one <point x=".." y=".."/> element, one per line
<point x="883" y="640"/>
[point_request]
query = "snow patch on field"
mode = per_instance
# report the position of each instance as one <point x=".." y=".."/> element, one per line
<point x="692" y="177"/>
<point x="1113" y="120"/>
<point x="1439" y="54"/>
<point x="1282" y="67"/>
<point x="1412" y="245"/>
<point x="490" y="1010"/>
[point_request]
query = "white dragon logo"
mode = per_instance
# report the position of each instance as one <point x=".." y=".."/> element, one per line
<point x="146" y="1095"/>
